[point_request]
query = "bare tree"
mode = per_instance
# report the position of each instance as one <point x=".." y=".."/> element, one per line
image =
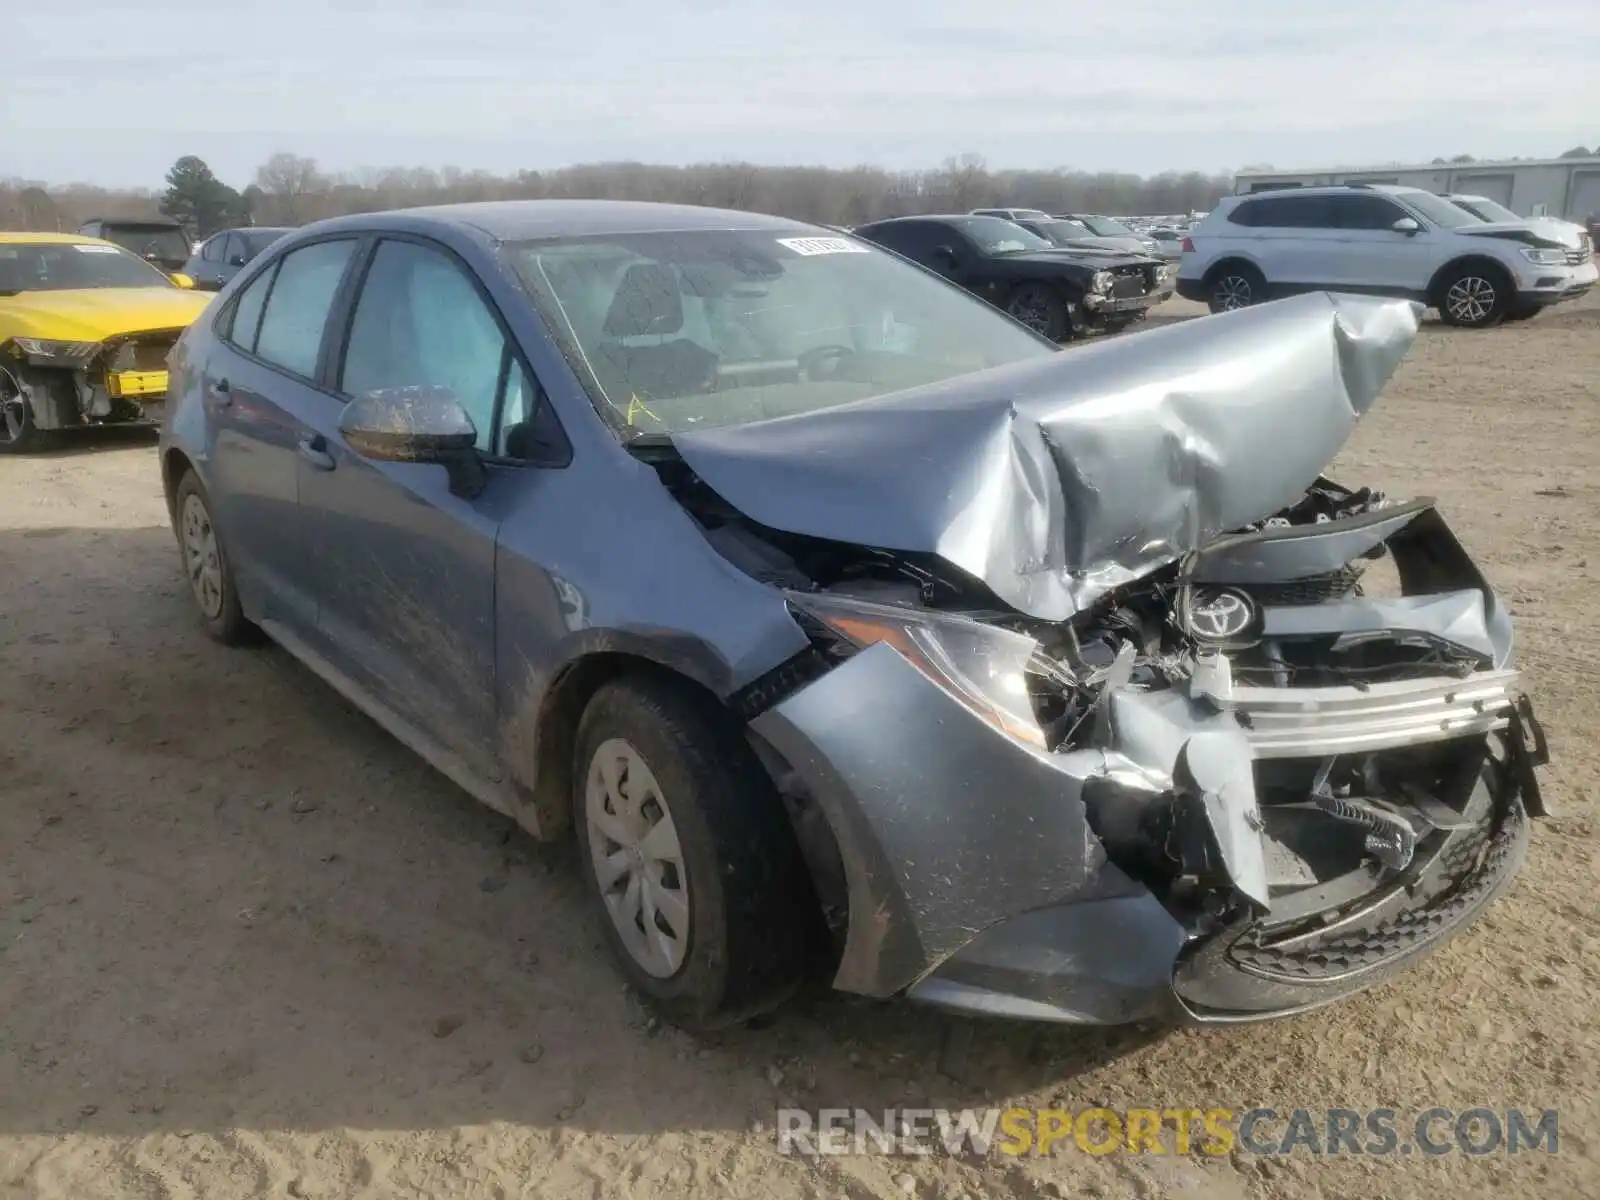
<point x="288" y="180"/>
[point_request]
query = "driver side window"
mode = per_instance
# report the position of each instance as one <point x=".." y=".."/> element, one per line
<point x="420" y="321"/>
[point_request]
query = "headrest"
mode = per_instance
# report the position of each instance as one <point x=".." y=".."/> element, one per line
<point x="648" y="301"/>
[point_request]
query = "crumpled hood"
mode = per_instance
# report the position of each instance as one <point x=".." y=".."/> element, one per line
<point x="1535" y="230"/>
<point x="1057" y="480"/>
<point x="94" y="314"/>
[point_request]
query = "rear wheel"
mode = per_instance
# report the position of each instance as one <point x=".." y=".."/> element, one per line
<point x="206" y="565"/>
<point x="17" y="432"/>
<point x="1042" y="309"/>
<point x="1474" y="296"/>
<point x="705" y="899"/>
<point x="1235" y="285"/>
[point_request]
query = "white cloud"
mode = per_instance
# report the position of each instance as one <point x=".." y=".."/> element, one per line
<point x="115" y="92"/>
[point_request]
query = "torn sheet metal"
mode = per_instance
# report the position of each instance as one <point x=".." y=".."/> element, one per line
<point x="1056" y="481"/>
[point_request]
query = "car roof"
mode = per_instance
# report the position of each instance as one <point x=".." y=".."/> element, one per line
<point x="515" y="220"/>
<point x="26" y="238"/>
<point x="1331" y="189"/>
<point x="256" y="229"/>
<point x="147" y="222"/>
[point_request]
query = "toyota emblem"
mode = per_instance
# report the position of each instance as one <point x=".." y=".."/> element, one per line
<point x="1220" y="614"/>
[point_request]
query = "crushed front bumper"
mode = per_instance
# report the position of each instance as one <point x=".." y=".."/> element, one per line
<point x="975" y="882"/>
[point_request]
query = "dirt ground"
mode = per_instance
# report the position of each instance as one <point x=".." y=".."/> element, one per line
<point x="250" y="946"/>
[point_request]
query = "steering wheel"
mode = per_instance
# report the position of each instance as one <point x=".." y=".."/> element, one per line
<point x="811" y="361"/>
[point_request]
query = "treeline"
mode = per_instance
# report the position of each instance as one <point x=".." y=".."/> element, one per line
<point x="291" y="190"/>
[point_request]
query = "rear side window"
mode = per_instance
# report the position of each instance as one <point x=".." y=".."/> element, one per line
<point x="297" y="308"/>
<point x="246" y="318"/>
<point x="212" y="250"/>
<point x="1284" y="212"/>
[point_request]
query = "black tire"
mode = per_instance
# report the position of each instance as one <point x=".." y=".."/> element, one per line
<point x="18" y="435"/>
<point x="217" y="598"/>
<point x="1235" y="285"/>
<point x="1042" y="309"/>
<point x="751" y="909"/>
<point x="1474" y="295"/>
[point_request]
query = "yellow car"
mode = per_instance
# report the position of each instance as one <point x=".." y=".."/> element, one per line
<point x="85" y="328"/>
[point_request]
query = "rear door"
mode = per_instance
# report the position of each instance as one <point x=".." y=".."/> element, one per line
<point x="404" y="570"/>
<point x="1294" y="242"/>
<point x="260" y="395"/>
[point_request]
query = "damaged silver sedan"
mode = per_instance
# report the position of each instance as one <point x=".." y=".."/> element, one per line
<point x="854" y="628"/>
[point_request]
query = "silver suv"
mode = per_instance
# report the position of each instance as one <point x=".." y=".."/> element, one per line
<point x="1384" y="240"/>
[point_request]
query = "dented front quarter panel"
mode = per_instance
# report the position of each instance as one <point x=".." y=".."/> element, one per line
<point x="1058" y="480"/>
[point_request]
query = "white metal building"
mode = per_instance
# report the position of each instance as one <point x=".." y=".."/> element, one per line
<point x="1555" y="187"/>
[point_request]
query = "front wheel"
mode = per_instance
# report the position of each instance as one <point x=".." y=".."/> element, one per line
<point x="1474" y="297"/>
<point x="1042" y="309"/>
<point x="18" y="435"/>
<point x="689" y="853"/>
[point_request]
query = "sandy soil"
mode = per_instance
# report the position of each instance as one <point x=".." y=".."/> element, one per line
<point x="249" y="946"/>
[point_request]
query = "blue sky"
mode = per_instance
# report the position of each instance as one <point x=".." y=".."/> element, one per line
<point x="112" y="92"/>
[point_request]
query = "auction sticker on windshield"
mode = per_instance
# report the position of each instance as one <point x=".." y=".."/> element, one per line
<point x="822" y="245"/>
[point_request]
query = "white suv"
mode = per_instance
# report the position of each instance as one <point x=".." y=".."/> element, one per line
<point x="1381" y="239"/>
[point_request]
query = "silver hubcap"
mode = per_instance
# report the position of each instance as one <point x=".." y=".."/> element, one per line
<point x="1470" y="299"/>
<point x="200" y="556"/>
<point x="1233" y="291"/>
<point x="637" y="861"/>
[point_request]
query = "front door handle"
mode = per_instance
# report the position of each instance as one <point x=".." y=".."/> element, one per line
<point x="222" y="393"/>
<point x="315" y="451"/>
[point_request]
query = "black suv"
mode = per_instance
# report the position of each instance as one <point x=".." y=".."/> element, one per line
<point x="160" y="242"/>
<point x="1059" y="293"/>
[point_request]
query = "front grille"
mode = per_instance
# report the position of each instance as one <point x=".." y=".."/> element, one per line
<point x="1472" y="867"/>
<point x="1319" y="589"/>
<point x="1130" y="281"/>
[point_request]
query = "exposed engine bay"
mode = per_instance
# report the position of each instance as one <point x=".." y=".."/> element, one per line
<point x="67" y="385"/>
<point x="1296" y="737"/>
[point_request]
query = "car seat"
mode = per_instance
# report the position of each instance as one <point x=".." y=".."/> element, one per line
<point x="649" y="304"/>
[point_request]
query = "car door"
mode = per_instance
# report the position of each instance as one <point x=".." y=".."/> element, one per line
<point x="404" y="569"/>
<point x="1372" y="256"/>
<point x="259" y="393"/>
<point x="1295" y="243"/>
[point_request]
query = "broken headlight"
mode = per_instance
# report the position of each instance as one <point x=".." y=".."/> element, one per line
<point x="983" y="666"/>
<point x="45" y="353"/>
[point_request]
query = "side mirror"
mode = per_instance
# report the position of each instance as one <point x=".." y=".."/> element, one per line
<point x="1406" y="225"/>
<point x="182" y="280"/>
<point x="417" y="425"/>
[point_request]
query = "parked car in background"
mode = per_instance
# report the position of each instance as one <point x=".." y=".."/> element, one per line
<point x="854" y="631"/>
<point x="161" y="242"/>
<point x="1170" y="241"/>
<point x="85" y="328"/>
<point x="1385" y="239"/>
<point x="1074" y="235"/>
<point x="1010" y="214"/>
<point x="1059" y="293"/>
<point x="1111" y="234"/>
<point x="221" y="256"/>
<point x="1486" y="209"/>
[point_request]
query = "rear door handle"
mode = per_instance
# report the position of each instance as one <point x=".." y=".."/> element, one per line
<point x="315" y="451"/>
<point x="222" y="393"/>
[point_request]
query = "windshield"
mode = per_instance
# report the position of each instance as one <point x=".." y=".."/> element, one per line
<point x="150" y="241"/>
<point x="1438" y="210"/>
<point x="58" y="266"/>
<point x="1106" y="227"/>
<point x="678" y="331"/>
<point x="1487" y="209"/>
<point x="996" y="235"/>
<point x="1061" y="232"/>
